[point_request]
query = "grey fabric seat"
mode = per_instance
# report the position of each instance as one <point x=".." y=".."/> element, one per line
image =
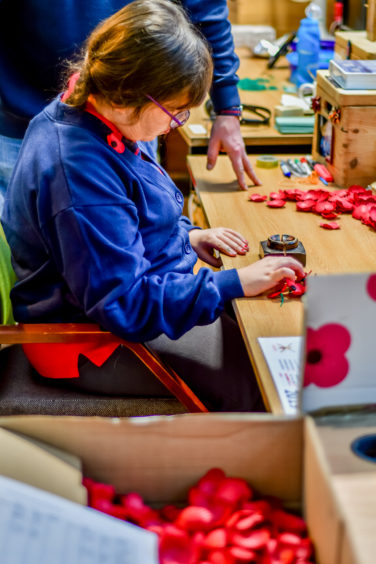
<point x="24" y="392"/>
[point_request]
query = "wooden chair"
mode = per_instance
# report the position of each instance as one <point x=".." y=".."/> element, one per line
<point x="21" y="391"/>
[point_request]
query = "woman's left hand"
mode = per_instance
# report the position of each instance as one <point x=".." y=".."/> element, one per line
<point x="222" y="239"/>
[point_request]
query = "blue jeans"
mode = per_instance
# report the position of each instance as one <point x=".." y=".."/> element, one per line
<point x="9" y="149"/>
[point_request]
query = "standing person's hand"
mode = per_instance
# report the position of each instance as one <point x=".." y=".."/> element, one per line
<point x="267" y="272"/>
<point x="226" y="136"/>
<point x="222" y="239"/>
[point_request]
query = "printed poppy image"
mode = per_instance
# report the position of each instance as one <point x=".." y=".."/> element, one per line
<point x="326" y="363"/>
<point x="371" y="286"/>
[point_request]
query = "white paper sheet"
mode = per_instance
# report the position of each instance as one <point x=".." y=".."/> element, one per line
<point x="282" y="355"/>
<point x="37" y="527"/>
<point x="197" y="129"/>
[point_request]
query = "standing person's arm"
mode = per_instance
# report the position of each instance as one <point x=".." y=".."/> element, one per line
<point x="211" y="17"/>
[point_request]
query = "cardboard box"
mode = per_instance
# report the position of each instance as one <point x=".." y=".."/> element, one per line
<point x="161" y="457"/>
<point x="308" y="466"/>
<point x="350" y="140"/>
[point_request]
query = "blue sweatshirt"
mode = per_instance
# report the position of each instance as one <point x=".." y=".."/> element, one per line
<point x="37" y="36"/>
<point x="97" y="235"/>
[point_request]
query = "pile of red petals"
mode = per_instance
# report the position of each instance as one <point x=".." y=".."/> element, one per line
<point x="223" y="524"/>
<point x="358" y="201"/>
<point x="289" y="287"/>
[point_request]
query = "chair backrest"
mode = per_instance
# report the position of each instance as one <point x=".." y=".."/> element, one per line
<point x="7" y="280"/>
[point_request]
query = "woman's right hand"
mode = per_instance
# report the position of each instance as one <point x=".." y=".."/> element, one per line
<point x="267" y="272"/>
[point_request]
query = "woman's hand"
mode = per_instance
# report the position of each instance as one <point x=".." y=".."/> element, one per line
<point x="226" y="241"/>
<point x="267" y="272"/>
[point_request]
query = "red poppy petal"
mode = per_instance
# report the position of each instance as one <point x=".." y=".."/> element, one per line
<point x="249" y="522"/>
<point x="233" y="491"/>
<point x="288" y="522"/>
<point x="220" y="557"/>
<point x="198" y="497"/>
<point x="257" y="198"/>
<point x="332" y="225"/>
<point x="175" y="547"/>
<point x="344" y="205"/>
<point x="260" y="505"/>
<point x="293" y="194"/>
<point x="277" y="195"/>
<point x="242" y="554"/>
<point x="170" y="512"/>
<point x="216" y="539"/>
<point x="329" y="215"/>
<point x="193" y="518"/>
<point x="276" y="203"/>
<point x="361" y="212"/>
<point x="305" y="205"/>
<point x="253" y="540"/>
<point x="325" y="207"/>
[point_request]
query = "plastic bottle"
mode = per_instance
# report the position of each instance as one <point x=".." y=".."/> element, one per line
<point x="308" y="45"/>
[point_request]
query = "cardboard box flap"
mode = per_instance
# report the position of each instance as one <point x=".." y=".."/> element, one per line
<point x="162" y="457"/>
<point x="338" y="435"/>
<point x="356" y="495"/>
<point x="28" y="462"/>
<point x="320" y="506"/>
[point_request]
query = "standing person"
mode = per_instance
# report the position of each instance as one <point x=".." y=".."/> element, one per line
<point x="95" y="224"/>
<point x="37" y="36"/>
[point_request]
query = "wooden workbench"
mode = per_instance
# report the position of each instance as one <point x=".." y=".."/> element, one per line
<point x="350" y="249"/>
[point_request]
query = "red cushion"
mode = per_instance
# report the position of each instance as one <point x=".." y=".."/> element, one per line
<point x="60" y="360"/>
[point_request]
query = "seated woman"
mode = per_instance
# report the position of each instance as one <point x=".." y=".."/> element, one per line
<point x="96" y="228"/>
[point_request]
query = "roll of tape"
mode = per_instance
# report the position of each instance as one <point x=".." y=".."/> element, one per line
<point x="267" y="161"/>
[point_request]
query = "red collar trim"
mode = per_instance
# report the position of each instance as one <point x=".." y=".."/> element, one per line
<point x="114" y="139"/>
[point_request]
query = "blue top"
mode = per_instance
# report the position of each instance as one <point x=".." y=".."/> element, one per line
<point x="97" y="235"/>
<point x="36" y="36"/>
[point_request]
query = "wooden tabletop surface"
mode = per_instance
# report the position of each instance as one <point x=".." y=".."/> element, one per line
<point x="349" y="249"/>
<point x="252" y="68"/>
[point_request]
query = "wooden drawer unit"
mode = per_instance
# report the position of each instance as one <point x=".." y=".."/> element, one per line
<point x="354" y="45"/>
<point x="345" y="132"/>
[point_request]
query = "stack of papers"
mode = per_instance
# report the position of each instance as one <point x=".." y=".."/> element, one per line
<point x="37" y="527"/>
<point x="292" y="124"/>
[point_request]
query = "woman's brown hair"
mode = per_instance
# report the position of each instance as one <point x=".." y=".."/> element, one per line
<point x="147" y="47"/>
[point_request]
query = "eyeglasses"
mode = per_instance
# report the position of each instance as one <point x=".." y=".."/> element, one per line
<point x="176" y="121"/>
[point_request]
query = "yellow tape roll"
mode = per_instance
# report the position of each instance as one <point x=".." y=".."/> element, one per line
<point x="267" y="161"/>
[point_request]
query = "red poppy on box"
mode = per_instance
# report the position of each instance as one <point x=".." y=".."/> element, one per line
<point x="326" y="364"/>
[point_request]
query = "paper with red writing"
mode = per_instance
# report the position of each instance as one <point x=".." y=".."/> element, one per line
<point x="282" y="355"/>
